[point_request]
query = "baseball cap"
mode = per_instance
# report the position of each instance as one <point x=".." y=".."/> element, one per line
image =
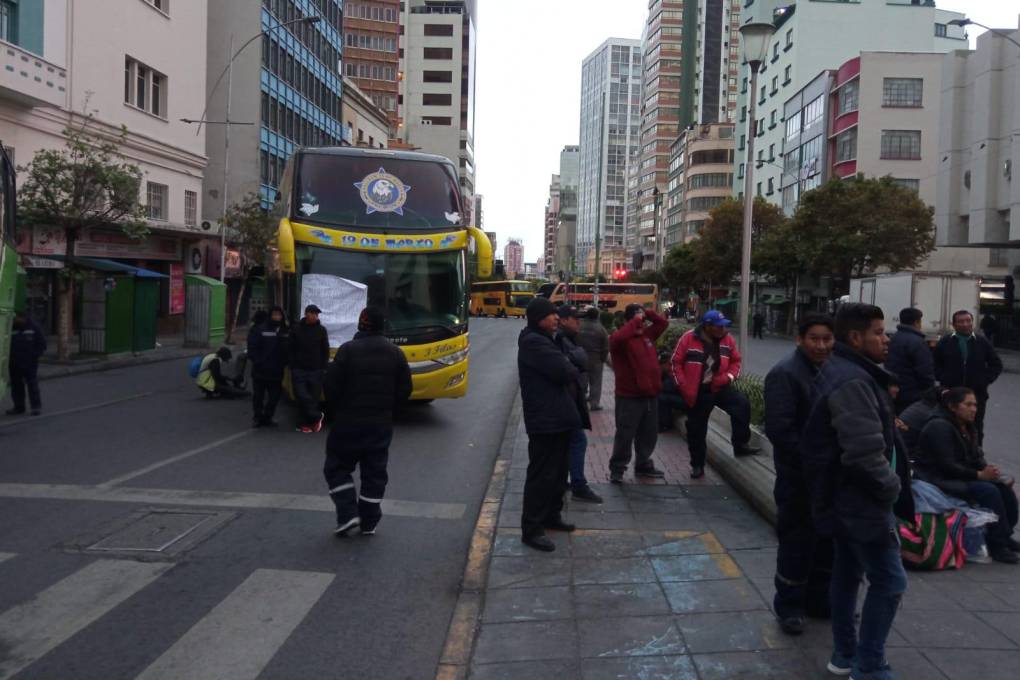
<point x="567" y="312"/>
<point x="714" y="317"/>
<point x="313" y="309"/>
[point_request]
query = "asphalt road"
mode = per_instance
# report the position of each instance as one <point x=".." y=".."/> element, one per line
<point x="260" y="587"/>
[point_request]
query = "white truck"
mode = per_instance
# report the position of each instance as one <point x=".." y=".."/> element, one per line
<point x="936" y="294"/>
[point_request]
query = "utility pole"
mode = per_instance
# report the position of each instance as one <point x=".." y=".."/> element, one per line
<point x="603" y="134"/>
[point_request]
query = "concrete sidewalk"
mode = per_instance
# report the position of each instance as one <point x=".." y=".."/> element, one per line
<point x="168" y="349"/>
<point x="674" y="580"/>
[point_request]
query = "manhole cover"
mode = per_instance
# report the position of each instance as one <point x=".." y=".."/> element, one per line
<point x="153" y="533"/>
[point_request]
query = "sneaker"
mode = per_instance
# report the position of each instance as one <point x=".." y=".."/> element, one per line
<point x="650" y="471"/>
<point x="980" y="557"/>
<point x="1004" y="555"/>
<point x="318" y="423"/>
<point x="342" y="529"/>
<point x="839" y="664"/>
<point x="14" y="412"/>
<point x="883" y="673"/>
<point x="697" y="472"/>
<point x="793" y="625"/>
<point x="539" y="542"/>
<point x="586" y="494"/>
<point x="616" y="476"/>
<point x="368" y="530"/>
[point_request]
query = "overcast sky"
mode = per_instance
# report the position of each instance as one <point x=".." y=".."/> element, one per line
<point x="529" y="89"/>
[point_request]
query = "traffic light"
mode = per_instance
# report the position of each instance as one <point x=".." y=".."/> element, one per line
<point x="619" y="274"/>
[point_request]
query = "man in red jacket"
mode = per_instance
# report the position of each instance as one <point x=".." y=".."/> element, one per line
<point x="638" y="383"/>
<point x="706" y="362"/>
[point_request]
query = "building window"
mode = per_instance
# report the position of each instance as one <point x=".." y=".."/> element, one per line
<point x="431" y="99"/>
<point x="846" y="145"/>
<point x="789" y="39"/>
<point x="902" y="92"/>
<point x="772" y="119"/>
<point x="437" y="76"/>
<point x="436" y="120"/>
<point x="439" y="53"/>
<point x="912" y="184"/>
<point x="162" y="5"/>
<point x="8" y="21"/>
<point x="813" y="111"/>
<point x="772" y="153"/>
<point x="940" y="30"/>
<point x="901" y="144"/>
<point x="787" y="75"/>
<point x="144" y="88"/>
<point x="156" y="199"/>
<point x="743" y="114"/>
<point x="793" y="126"/>
<point x="761" y="99"/>
<point x="190" y="208"/>
<point x="759" y="188"/>
<point x="848" y="95"/>
<point x="439" y="30"/>
<point x="998" y="257"/>
<point x="775" y="85"/>
<point x="772" y="187"/>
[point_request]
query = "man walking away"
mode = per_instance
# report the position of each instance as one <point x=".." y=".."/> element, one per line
<point x="857" y="467"/>
<point x="27" y="344"/>
<point x="758" y="325"/>
<point x="594" y="340"/>
<point x="550" y="418"/>
<point x="990" y="327"/>
<point x="368" y="379"/>
<point x="910" y="359"/>
<point x="706" y="362"/>
<point x="268" y="346"/>
<point x="804" y="560"/>
<point x="212" y="378"/>
<point x="638" y="383"/>
<point x="567" y="339"/>
<point x="964" y="359"/>
<point x="308" y="360"/>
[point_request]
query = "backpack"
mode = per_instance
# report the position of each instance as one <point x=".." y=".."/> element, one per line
<point x="195" y="367"/>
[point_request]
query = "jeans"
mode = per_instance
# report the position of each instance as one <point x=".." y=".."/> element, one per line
<point x="548" y="463"/>
<point x="578" y="447"/>
<point x="1001" y="500"/>
<point x="729" y="400"/>
<point x="307" y="393"/>
<point x="887" y="581"/>
<point x="23" y="377"/>
<point x="265" y="397"/>
<point x="367" y="447"/>
<point x="637" y="427"/>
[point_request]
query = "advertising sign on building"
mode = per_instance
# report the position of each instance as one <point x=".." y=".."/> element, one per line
<point x="176" y="288"/>
<point x="49" y="241"/>
<point x="232" y="263"/>
<point x="109" y="243"/>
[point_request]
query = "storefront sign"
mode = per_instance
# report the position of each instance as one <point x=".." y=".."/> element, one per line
<point x="49" y="241"/>
<point x="108" y="243"/>
<point x="233" y="264"/>
<point x="31" y="262"/>
<point x="176" y="288"/>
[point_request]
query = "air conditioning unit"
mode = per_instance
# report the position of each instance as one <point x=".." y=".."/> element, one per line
<point x="194" y="259"/>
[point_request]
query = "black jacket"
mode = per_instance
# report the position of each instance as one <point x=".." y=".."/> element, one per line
<point x="579" y="358"/>
<point x="546" y="376"/>
<point x="268" y="351"/>
<point x="368" y="378"/>
<point x="847" y="447"/>
<point x="309" y="346"/>
<point x="981" y="369"/>
<point x="945" y="457"/>
<point x="911" y="361"/>
<point x="27" y="345"/>
<point x="788" y="397"/>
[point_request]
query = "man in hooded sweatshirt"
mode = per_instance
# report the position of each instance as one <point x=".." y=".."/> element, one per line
<point x="551" y="417"/>
<point x="267" y="350"/>
<point x="368" y="379"/>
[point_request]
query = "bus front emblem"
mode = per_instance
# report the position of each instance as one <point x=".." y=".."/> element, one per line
<point x="383" y="192"/>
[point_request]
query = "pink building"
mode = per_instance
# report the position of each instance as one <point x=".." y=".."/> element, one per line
<point x="513" y="258"/>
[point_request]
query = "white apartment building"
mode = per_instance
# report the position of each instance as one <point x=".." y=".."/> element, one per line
<point x="610" y="143"/>
<point x="438" y="87"/>
<point x="814" y="34"/>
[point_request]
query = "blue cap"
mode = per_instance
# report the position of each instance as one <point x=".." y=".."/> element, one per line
<point x="715" y="318"/>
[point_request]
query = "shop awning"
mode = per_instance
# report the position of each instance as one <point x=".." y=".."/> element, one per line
<point x="725" y="301"/>
<point x="777" y="300"/>
<point x="111" y="266"/>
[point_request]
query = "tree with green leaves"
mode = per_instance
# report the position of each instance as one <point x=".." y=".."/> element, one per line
<point x="86" y="184"/>
<point x="717" y="252"/>
<point x="680" y="270"/>
<point x="251" y="230"/>
<point x="852" y="227"/>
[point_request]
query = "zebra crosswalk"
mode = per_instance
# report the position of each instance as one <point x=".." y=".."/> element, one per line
<point x="235" y="640"/>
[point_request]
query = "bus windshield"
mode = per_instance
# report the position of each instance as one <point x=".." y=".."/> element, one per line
<point x="354" y="191"/>
<point x="421" y="292"/>
<point x="522" y="287"/>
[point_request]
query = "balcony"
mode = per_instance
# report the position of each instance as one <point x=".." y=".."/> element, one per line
<point x="30" y="80"/>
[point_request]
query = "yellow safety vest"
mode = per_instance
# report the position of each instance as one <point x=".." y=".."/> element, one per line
<point x="205" y="378"/>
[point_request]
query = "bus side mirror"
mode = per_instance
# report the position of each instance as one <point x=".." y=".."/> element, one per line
<point x="484" y="251"/>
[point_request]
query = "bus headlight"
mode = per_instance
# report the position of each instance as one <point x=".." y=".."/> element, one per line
<point x="455" y="358"/>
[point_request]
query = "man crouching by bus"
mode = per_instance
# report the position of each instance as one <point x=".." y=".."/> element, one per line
<point x="368" y="379"/>
<point x="550" y="419"/>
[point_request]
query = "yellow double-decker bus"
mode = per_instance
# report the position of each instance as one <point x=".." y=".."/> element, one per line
<point x="373" y="227"/>
<point x="613" y="297"/>
<point x="501" y="298"/>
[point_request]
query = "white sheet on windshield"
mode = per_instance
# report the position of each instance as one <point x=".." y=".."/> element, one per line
<point x="341" y="301"/>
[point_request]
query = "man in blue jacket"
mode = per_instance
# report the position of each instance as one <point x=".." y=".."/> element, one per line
<point x="27" y="344"/>
<point x="910" y="359"/>
<point x="550" y="418"/>
<point x="857" y="467"/>
<point x="804" y="559"/>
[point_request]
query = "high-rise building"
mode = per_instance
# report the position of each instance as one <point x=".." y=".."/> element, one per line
<point x="610" y="118"/>
<point x="366" y="125"/>
<point x="552" y="224"/>
<point x="689" y="77"/>
<point x="477" y="214"/>
<point x="371" y="57"/>
<point x="438" y="87"/>
<point x="513" y="258"/>
<point x="815" y="35"/>
<point x="566" y="228"/>
<point x="700" y="178"/>
<point x="290" y="90"/>
<point x="492" y="241"/>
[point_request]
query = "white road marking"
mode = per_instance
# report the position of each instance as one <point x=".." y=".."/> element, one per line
<point x="6" y="556"/>
<point x="26" y="420"/>
<point x="221" y="499"/>
<point x="30" y="630"/>
<point x="238" y="638"/>
<point x="176" y="459"/>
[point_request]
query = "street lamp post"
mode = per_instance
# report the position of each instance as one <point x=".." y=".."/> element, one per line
<point x="995" y="31"/>
<point x="755" y="42"/>
<point x="228" y="71"/>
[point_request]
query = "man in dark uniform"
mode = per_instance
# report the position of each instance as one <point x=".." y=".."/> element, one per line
<point x="27" y="344"/>
<point x="368" y="379"/>
<point x="267" y="349"/>
<point x="804" y="559"/>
